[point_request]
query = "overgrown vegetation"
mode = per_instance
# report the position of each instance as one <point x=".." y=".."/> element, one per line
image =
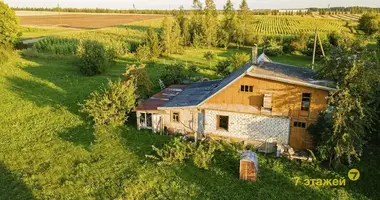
<point x="10" y="29"/>
<point x="111" y="105"/>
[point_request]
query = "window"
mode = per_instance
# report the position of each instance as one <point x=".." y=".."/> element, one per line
<point x="305" y="105"/>
<point x="175" y="117"/>
<point x="222" y="122"/>
<point x="246" y="88"/>
<point x="142" y="119"/>
<point x="149" y="120"/>
<point x="299" y="124"/>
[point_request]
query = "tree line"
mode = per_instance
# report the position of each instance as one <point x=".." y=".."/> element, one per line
<point x="309" y="11"/>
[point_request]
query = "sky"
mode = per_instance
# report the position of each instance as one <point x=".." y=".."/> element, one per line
<point x="174" y="4"/>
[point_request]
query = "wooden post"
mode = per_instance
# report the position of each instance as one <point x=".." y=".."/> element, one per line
<point x="320" y="44"/>
<point x="315" y="46"/>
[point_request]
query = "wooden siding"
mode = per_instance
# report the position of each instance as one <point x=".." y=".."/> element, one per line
<point x="286" y="102"/>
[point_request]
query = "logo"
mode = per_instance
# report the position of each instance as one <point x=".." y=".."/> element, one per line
<point x="353" y="174"/>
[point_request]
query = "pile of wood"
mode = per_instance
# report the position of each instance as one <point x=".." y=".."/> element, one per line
<point x="289" y="152"/>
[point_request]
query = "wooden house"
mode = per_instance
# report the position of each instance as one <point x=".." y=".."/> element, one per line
<point x="261" y="101"/>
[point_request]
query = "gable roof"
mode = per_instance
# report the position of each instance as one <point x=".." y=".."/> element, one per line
<point x="290" y="74"/>
<point x="197" y="93"/>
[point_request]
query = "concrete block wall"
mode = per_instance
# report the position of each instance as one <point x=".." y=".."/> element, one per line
<point x="248" y="126"/>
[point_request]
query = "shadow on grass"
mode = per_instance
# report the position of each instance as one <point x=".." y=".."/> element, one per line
<point x="11" y="186"/>
<point x="81" y="135"/>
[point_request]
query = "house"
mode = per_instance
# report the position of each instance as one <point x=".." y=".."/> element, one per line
<point x="261" y="101"/>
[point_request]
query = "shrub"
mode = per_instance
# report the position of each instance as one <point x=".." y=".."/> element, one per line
<point x="93" y="58"/>
<point x="378" y="41"/>
<point x="204" y="153"/>
<point x="369" y="23"/>
<point x="192" y="70"/>
<point x="143" y="53"/>
<point x="273" y="49"/>
<point x="10" y="28"/>
<point x="222" y="67"/>
<point x="174" y="74"/>
<point x="209" y="56"/>
<point x="111" y="105"/>
<point x="176" y="151"/>
<point x="238" y="60"/>
<point x="5" y="55"/>
<point x="143" y="83"/>
<point x="56" y="45"/>
<point x="334" y="39"/>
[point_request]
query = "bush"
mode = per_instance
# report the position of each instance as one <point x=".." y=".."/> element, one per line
<point x="174" y="74"/>
<point x="56" y="45"/>
<point x="204" y="153"/>
<point x="378" y="41"/>
<point x="143" y="83"/>
<point x="209" y="56"/>
<point x="111" y="105"/>
<point x="238" y="60"/>
<point x="369" y="23"/>
<point x="192" y="70"/>
<point x="222" y="67"/>
<point x="143" y="53"/>
<point x="94" y="58"/>
<point x="273" y="49"/>
<point x="10" y="28"/>
<point x="5" y="55"/>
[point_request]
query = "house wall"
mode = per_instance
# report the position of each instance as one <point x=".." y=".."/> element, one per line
<point x="188" y="120"/>
<point x="286" y="102"/>
<point x="249" y="126"/>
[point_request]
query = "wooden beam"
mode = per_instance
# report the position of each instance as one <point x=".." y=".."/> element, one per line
<point x="320" y="44"/>
<point x="315" y="46"/>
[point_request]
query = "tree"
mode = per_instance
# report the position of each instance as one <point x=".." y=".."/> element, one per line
<point x="227" y="29"/>
<point x="351" y="116"/>
<point x="369" y="23"/>
<point x="93" y="58"/>
<point x="174" y="74"/>
<point x="9" y="26"/>
<point x="241" y="24"/>
<point x="184" y="25"/>
<point x="209" y="56"/>
<point x="209" y="24"/>
<point x="171" y="37"/>
<point x="110" y="105"/>
<point x="152" y="42"/>
<point x="238" y="60"/>
<point x="222" y="67"/>
<point x="142" y="80"/>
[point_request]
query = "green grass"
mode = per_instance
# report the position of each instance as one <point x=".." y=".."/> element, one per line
<point x="48" y="150"/>
<point x="30" y="33"/>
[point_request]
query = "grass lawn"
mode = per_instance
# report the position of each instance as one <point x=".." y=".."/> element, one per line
<point x="48" y="150"/>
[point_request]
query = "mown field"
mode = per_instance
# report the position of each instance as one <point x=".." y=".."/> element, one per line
<point x="48" y="150"/>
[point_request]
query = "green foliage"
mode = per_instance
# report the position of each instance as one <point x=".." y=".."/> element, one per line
<point x="171" y="38"/>
<point x="334" y="39"/>
<point x="222" y="67"/>
<point x="369" y="23"/>
<point x="57" y="45"/>
<point x="192" y="70"/>
<point x="209" y="56"/>
<point x="174" y="74"/>
<point x="273" y="49"/>
<point x="356" y="79"/>
<point x="94" y="59"/>
<point x="204" y="153"/>
<point x="176" y="151"/>
<point x="111" y="105"/>
<point x="140" y="74"/>
<point x="152" y="42"/>
<point x="9" y="26"/>
<point x="238" y="60"/>
<point x="143" y="53"/>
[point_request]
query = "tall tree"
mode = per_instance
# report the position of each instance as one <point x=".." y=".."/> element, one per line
<point x="9" y="26"/>
<point x="209" y="24"/>
<point x="352" y="115"/>
<point x="166" y="43"/>
<point x="369" y="23"/>
<point x="228" y="28"/>
<point x="184" y="24"/>
<point x="241" y="27"/>
<point x="152" y="42"/>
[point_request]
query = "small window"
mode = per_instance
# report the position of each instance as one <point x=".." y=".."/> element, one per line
<point x="222" y="122"/>
<point x="175" y="117"/>
<point x="299" y="124"/>
<point x="142" y="119"/>
<point x="246" y="88"/>
<point x="149" y="120"/>
<point x="305" y="105"/>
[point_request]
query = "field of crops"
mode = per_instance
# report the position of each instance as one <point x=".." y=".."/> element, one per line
<point x="291" y="25"/>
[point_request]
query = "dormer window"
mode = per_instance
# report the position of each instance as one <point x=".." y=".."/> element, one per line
<point x="246" y="88"/>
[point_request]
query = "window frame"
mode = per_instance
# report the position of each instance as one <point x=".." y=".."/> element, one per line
<point x="246" y="88"/>
<point x="305" y="99"/>
<point x="218" y="119"/>
<point x="299" y="124"/>
<point x="177" y="120"/>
